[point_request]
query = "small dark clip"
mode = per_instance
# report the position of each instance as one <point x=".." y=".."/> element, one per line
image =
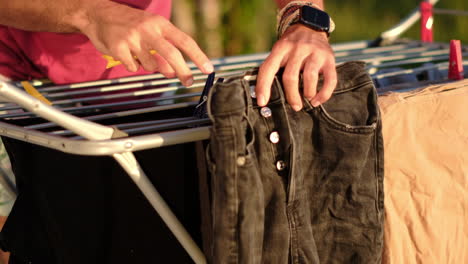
<point x="200" y="110"/>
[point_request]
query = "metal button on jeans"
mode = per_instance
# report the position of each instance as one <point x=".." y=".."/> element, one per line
<point x="241" y="160"/>
<point x="274" y="137"/>
<point x="265" y="112"/>
<point x="252" y="91"/>
<point x="280" y="165"/>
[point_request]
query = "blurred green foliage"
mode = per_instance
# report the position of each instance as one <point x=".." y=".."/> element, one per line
<point x="248" y="26"/>
<point x="366" y="19"/>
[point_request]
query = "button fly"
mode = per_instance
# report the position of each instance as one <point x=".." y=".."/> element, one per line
<point x="252" y="91"/>
<point x="241" y="161"/>
<point x="274" y="137"/>
<point x="265" y="112"/>
<point x="280" y="165"/>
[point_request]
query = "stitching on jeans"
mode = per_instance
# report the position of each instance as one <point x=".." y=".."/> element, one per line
<point x="366" y="129"/>
<point x="355" y="86"/>
<point x="273" y="151"/>
<point x="248" y="100"/>
<point x="235" y="213"/>
<point x="376" y="174"/>
<point x="380" y="179"/>
<point x="291" y="186"/>
<point x="249" y="145"/>
<point x="294" y="235"/>
<point x="333" y="123"/>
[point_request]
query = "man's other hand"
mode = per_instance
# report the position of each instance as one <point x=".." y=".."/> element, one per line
<point x="124" y="32"/>
<point x="299" y="49"/>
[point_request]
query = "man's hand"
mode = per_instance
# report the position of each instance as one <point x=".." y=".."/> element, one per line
<point x="299" y="49"/>
<point x="124" y="32"/>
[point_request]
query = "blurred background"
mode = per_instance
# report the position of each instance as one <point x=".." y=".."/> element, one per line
<point x="234" y="27"/>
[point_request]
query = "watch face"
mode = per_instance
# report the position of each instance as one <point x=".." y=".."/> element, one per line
<point x="315" y="18"/>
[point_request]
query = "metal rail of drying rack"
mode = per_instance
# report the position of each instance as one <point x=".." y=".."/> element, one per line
<point x="140" y="96"/>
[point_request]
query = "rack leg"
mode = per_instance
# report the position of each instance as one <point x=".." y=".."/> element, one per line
<point x="128" y="161"/>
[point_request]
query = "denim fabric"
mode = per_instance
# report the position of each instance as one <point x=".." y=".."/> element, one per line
<point x="325" y="205"/>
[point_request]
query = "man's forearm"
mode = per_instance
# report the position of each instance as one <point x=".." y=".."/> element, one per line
<point x="64" y="16"/>
<point x="283" y="3"/>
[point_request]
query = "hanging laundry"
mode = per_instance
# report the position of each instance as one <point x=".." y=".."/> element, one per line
<point x="297" y="187"/>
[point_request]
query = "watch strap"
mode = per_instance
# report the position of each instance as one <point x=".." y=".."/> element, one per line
<point x="290" y="15"/>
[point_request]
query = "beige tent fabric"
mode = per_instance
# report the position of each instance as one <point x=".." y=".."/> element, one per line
<point x="426" y="175"/>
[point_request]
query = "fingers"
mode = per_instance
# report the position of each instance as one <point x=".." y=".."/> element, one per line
<point x="163" y="67"/>
<point x="175" y="60"/>
<point x="291" y="81"/>
<point x="266" y="75"/>
<point x="329" y="84"/>
<point x="170" y="45"/>
<point x="146" y="59"/>
<point x="299" y="48"/>
<point x="145" y="32"/>
<point x="123" y="54"/>
<point x="188" y="46"/>
<point x="310" y="75"/>
<point x="311" y="66"/>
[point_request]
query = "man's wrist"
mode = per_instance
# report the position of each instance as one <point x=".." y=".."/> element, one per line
<point x="85" y="14"/>
<point x="302" y="29"/>
<point x="291" y="14"/>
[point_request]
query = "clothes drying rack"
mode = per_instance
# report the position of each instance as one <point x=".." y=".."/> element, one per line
<point x="91" y="118"/>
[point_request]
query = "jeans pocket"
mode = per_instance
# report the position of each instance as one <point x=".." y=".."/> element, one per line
<point x="354" y="110"/>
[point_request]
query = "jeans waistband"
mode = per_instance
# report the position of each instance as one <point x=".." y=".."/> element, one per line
<point x="350" y="75"/>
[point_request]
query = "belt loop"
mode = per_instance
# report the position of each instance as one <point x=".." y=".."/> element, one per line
<point x="249" y="76"/>
<point x="246" y="87"/>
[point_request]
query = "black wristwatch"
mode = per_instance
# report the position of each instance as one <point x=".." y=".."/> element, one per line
<point x="315" y="19"/>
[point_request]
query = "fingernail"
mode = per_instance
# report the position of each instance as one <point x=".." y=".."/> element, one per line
<point x="315" y="103"/>
<point x="189" y="82"/>
<point x="208" y="67"/>
<point x="261" y="100"/>
<point x="296" y="107"/>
